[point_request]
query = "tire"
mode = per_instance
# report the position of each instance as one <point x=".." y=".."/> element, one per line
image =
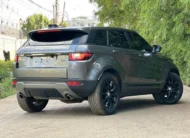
<point x="31" y="105"/>
<point x="105" y="99"/>
<point x="172" y="91"/>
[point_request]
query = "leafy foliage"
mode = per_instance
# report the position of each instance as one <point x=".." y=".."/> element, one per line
<point x="5" y="68"/>
<point x="35" y="21"/>
<point x="63" y="24"/>
<point x="163" y="22"/>
<point x="38" y="21"/>
<point x="6" y="88"/>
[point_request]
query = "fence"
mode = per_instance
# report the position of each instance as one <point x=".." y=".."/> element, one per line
<point x="10" y="44"/>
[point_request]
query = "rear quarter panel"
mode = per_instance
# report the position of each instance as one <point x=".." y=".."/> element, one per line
<point x="92" y="69"/>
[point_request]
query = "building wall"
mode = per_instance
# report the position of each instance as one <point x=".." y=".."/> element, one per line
<point x="10" y="44"/>
<point x="13" y="13"/>
<point x="9" y="14"/>
<point x="83" y="21"/>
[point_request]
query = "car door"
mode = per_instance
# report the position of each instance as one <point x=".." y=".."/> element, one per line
<point x="126" y="58"/>
<point x="150" y="69"/>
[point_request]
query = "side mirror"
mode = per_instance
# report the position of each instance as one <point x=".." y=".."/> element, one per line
<point x="156" y="49"/>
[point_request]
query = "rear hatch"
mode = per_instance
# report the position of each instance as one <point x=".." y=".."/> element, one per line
<point x="46" y="53"/>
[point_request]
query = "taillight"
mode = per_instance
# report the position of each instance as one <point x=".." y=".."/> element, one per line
<point x="16" y="58"/>
<point x="48" y="31"/>
<point x="73" y="83"/>
<point x="14" y="82"/>
<point x="80" y="56"/>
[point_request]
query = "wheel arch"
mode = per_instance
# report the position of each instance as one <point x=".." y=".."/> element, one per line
<point x="114" y="72"/>
<point x="172" y="70"/>
<point x="176" y="71"/>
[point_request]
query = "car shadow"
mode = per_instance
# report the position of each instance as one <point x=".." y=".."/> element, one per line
<point x="83" y="110"/>
<point x="130" y="104"/>
<point x="65" y="111"/>
<point x="136" y="103"/>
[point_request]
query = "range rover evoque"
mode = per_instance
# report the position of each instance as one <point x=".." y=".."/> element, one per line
<point x="98" y="64"/>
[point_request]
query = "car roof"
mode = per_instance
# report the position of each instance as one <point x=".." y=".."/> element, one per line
<point x="110" y="28"/>
<point x="86" y="29"/>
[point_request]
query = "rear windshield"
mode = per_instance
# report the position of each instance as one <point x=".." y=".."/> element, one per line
<point x="57" y="38"/>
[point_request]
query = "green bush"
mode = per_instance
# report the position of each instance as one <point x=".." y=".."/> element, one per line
<point x="5" y="68"/>
<point x="6" y="88"/>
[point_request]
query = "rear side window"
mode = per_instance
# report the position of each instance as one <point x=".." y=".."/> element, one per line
<point x="63" y="37"/>
<point x="97" y="37"/>
<point x="118" y="39"/>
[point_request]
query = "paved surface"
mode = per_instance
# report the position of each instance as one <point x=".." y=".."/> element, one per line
<point x="137" y="117"/>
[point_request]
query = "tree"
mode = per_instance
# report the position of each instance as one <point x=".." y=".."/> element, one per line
<point x="63" y="24"/>
<point x="35" y="21"/>
<point x="163" y="22"/>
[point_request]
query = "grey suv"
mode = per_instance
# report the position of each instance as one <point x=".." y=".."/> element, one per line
<point x="97" y="64"/>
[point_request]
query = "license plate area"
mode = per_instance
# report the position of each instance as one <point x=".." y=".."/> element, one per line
<point x="46" y="61"/>
<point x="43" y="61"/>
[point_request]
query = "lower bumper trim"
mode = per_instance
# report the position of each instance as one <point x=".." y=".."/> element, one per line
<point x="44" y="90"/>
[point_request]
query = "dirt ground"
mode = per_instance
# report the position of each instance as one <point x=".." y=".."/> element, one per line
<point x="137" y="117"/>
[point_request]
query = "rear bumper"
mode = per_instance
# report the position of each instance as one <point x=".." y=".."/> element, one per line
<point x="55" y="89"/>
<point x="43" y="73"/>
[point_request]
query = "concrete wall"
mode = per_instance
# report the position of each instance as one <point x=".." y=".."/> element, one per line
<point x="10" y="44"/>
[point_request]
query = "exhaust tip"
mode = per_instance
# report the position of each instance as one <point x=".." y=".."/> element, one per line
<point x="68" y="97"/>
<point x="21" y="95"/>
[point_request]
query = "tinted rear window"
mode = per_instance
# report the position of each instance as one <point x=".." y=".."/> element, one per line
<point x="97" y="37"/>
<point x="118" y="39"/>
<point x="57" y="38"/>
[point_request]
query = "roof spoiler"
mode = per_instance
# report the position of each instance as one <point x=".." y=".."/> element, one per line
<point x="53" y="34"/>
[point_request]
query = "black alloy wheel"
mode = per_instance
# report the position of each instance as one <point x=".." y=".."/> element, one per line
<point x="109" y="94"/>
<point x="172" y="91"/>
<point x="105" y="99"/>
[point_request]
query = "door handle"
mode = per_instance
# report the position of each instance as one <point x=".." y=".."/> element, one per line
<point x="145" y="54"/>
